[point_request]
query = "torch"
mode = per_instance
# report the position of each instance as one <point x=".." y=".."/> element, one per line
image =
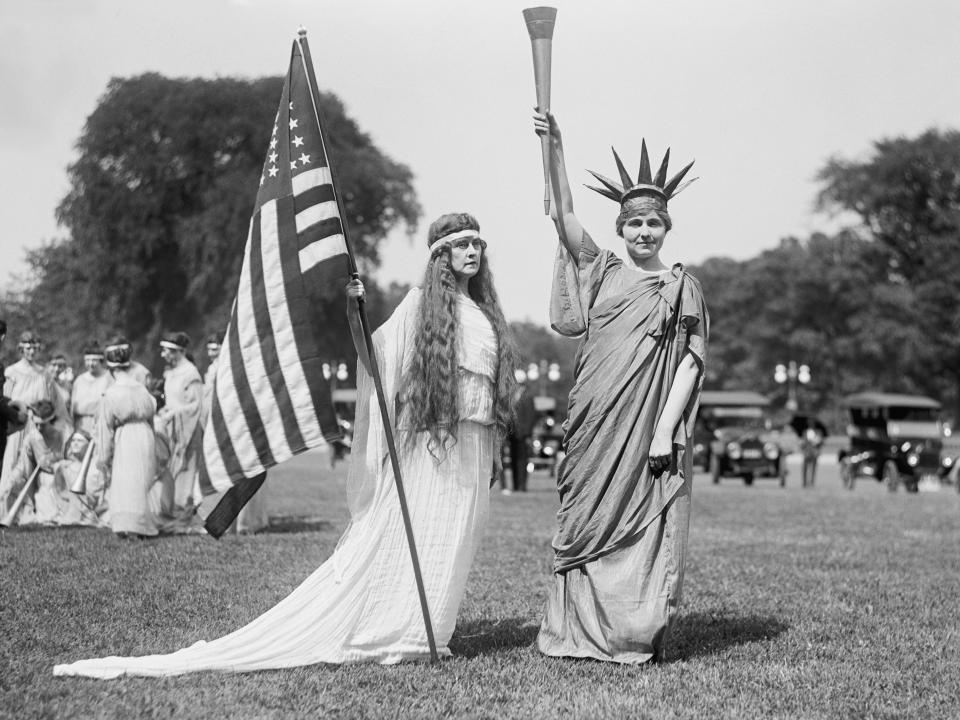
<point x="540" y="21"/>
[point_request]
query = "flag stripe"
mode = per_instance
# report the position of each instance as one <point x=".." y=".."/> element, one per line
<point x="311" y="362"/>
<point x="316" y="253"/>
<point x="278" y="406"/>
<point x="319" y="213"/>
<point x="226" y="453"/>
<point x="245" y="398"/>
<point x="255" y="364"/>
<point x="320" y="231"/>
<point x="306" y="180"/>
<point x="319" y="199"/>
<point x="290" y="311"/>
<point x="230" y="363"/>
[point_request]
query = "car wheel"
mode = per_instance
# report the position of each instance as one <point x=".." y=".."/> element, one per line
<point x="748" y="479"/>
<point x="715" y="469"/>
<point x="891" y="475"/>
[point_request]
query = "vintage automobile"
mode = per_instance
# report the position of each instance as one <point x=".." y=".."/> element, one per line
<point x="731" y="437"/>
<point x="897" y="439"/>
<point x="546" y="445"/>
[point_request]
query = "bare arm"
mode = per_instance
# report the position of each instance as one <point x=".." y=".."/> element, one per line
<point x="355" y="294"/>
<point x="661" y="448"/>
<point x="568" y="226"/>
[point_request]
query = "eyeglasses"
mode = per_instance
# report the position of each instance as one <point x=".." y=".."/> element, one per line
<point x="478" y="244"/>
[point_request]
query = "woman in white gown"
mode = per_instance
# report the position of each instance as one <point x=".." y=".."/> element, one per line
<point x="447" y="365"/>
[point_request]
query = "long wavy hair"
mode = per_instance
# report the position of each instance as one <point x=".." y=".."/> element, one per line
<point x="430" y="395"/>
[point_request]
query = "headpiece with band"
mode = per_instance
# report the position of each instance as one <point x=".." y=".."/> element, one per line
<point x="29" y="339"/>
<point x="117" y="354"/>
<point x="448" y="240"/>
<point x="44" y="410"/>
<point x="92" y="351"/>
<point x="175" y="341"/>
<point x="646" y="184"/>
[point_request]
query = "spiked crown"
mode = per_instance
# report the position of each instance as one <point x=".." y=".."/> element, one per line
<point x="646" y="184"/>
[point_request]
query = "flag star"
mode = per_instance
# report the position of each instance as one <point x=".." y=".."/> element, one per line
<point x="273" y="143"/>
<point x="273" y="157"/>
<point x="291" y="105"/>
<point x="261" y="180"/>
<point x="304" y="158"/>
<point x="275" y="127"/>
<point x="293" y="123"/>
<point x="293" y="164"/>
<point x="273" y="171"/>
<point x="298" y="141"/>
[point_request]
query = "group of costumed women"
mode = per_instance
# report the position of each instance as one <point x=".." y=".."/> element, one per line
<point x="140" y="476"/>
<point x="447" y="363"/>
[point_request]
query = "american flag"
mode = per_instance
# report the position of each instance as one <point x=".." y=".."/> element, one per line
<point x="270" y="399"/>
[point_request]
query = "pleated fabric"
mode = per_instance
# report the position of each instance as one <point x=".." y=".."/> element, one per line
<point x="362" y="603"/>
<point x="621" y="540"/>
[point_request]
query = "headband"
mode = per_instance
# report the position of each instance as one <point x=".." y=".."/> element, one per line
<point x="447" y="240"/>
<point x="93" y="356"/>
<point x="171" y="345"/>
<point x="113" y="348"/>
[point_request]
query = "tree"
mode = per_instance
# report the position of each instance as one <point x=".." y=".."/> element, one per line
<point x="160" y="202"/>
<point x="907" y="198"/>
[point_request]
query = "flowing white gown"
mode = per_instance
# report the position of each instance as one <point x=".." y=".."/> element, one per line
<point x="362" y="603"/>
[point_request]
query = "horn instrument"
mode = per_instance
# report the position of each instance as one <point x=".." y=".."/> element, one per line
<point x="79" y="485"/>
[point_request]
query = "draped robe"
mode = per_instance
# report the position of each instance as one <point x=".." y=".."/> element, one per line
<point x="621" y="538"/>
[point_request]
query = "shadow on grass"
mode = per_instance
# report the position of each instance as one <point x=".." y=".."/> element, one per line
<point x="479" y="637"/>
<point x="704" y="633"/>
<point x="295" y="524"/>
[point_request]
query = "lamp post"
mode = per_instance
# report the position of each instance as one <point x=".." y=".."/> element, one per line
<point x="335" y="372"/>
<point x="542" y="372"/>
<point x="791" y="374"/>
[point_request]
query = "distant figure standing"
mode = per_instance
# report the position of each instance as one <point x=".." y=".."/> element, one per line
<point x="183" y="393"/>
<point x="126" y="446"/>
<point x="62" y="375"/>
<point x="88" y="388"/>
<point x="210" y="376"/>
<point x="519" y="437"/>
<point x="811" y="440"/>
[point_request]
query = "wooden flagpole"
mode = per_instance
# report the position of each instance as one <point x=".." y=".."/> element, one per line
<point x="371" y="351"/>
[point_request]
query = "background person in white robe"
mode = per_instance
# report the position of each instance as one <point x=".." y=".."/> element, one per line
<point x="26" y="383"/>
<point x="447" y="362"/>
<point x="126" y="452"/>
<point x="88" y="388"/>
<point x="183" y="393"/>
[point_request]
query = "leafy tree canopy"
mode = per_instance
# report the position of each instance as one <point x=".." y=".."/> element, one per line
<point x="160" y="202"/>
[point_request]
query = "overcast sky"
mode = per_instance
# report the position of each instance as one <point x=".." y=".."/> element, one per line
<point x="760" y="93"/>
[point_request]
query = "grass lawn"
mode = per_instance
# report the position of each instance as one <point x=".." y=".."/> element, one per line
<point x="816" y="603"/>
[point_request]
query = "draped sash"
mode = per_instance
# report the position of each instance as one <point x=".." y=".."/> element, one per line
<point x="636" y="328"/>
